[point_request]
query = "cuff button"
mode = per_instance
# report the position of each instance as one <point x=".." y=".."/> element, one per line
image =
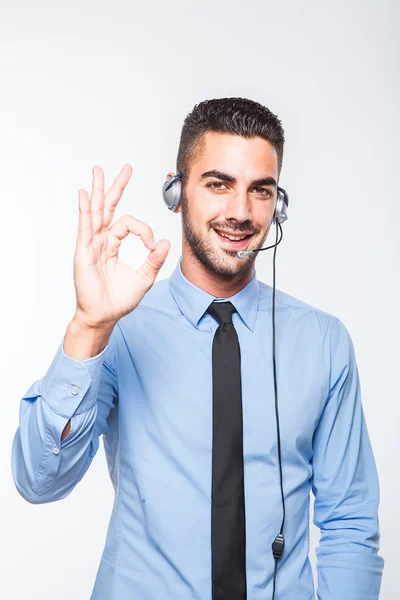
<point x="74" y="390"/>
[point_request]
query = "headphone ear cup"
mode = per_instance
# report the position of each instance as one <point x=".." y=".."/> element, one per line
<point x="282" y="203"/>
<point x="171" y="193"/>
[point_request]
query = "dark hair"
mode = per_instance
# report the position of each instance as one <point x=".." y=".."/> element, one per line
<point x="238" y="116"/>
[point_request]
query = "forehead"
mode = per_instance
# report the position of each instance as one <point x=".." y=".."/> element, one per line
<point x="243" y="157"/>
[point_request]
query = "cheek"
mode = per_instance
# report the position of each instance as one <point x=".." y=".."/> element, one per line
<point x="261" y="217"/>
<point x="265" y="215"/>
<point x="207" y="210"/>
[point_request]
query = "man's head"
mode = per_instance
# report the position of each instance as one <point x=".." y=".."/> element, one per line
<point x="230" y="155"/>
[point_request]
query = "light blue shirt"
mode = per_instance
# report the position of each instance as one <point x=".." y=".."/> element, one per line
<point x="149" y="393"/>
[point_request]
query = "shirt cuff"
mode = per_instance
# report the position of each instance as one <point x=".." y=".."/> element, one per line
<point x="349" y="574"/>
<point x="65" y="386"/>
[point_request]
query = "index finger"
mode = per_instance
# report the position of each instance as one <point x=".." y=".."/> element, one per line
<point x="97" y="199"/>
<point x="114" y="194"/>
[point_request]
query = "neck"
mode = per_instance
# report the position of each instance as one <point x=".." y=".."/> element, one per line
<point x="220" y="286"/>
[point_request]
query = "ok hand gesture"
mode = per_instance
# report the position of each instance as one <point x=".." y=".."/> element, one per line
<point x="106" y="288"/>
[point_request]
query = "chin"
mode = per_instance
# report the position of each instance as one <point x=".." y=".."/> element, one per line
<point x="225" y="262"/>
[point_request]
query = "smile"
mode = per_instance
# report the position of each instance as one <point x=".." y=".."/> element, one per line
<point x="236" y="241"/>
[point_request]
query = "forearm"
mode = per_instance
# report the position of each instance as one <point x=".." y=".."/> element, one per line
<point x="44" y="469"/>
<point x="346" y="511"/>
<point x="47" y="464"/>
<point x="82" y="342"/>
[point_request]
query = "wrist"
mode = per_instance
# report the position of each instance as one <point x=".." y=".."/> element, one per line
<point x="81" y="322"/>
<point x="82" y="341"/>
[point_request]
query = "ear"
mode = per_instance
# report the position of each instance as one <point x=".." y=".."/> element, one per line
<point x="170" y="174"/>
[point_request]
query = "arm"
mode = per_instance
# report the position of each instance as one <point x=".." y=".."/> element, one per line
<point x="63" y="414"/>
<point x="345" y="485"/>
<point x="45" y="467"/>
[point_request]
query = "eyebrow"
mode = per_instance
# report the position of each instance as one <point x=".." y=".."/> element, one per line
<point x="230" y="179"/>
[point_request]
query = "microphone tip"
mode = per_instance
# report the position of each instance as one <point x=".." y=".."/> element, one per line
<point x="243" y="253"/>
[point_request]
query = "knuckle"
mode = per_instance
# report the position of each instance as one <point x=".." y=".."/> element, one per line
<point x="119" y="221"/>
<point x="147" y="230"/>
<point x="152" y="263"/>
<point x="129" y="218"/>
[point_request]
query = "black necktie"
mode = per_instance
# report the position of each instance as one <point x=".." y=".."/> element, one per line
<point x="228" y="535"/>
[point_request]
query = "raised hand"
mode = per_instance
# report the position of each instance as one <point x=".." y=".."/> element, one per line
<point x="106" y="288"/>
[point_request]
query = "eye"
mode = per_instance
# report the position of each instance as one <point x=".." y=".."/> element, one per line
<point x="264" y="192"/>
<point x="215" y="185"/>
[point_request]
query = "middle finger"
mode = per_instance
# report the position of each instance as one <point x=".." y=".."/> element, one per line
<point x="114" y="194"/>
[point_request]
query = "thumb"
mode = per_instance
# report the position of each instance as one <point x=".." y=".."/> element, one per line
<point x="155" y="261"/>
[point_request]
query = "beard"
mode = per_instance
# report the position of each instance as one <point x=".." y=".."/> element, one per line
<point x="207" y="254"/>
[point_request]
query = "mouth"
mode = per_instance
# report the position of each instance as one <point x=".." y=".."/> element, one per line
<point x="237" y="241"/>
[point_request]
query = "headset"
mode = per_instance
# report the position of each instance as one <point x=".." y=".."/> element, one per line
<point x="171" y="192"/>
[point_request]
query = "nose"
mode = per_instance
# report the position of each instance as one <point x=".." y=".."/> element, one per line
<point x="238" y="206"/>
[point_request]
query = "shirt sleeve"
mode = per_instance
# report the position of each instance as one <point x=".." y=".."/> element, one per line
<point x="345" y="485"/>
<point x="44" y="468"/>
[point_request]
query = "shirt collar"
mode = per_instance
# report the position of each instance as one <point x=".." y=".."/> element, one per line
<point x="193" y="301"/>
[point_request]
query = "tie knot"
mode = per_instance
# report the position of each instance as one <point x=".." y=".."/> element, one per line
<point x="222" y="311"/>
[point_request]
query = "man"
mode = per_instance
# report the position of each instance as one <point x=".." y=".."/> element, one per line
<point x="139" y="365"/>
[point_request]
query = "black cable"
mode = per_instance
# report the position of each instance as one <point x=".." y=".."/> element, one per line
<point x="279" y="541"/>
<point x="273" y="245"/>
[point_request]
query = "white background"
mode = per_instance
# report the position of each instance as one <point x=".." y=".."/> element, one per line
<point x="86" y="83"/>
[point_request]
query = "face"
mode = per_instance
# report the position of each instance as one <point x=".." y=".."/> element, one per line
<point x="231" y="192"/>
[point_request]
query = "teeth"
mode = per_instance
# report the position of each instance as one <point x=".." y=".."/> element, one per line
<point x="233" y="238"/>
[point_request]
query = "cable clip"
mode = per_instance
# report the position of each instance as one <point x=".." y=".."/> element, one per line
<point x="278" y="546"/>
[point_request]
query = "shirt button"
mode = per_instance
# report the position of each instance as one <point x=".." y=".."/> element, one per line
<point x="56" y="450"/>
<point x="74" y="390"/>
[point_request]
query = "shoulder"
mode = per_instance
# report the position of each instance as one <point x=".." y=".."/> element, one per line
<point x="313" y="328"/>
<point x="288" y="301"/>
<point x="300" y="311"/>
